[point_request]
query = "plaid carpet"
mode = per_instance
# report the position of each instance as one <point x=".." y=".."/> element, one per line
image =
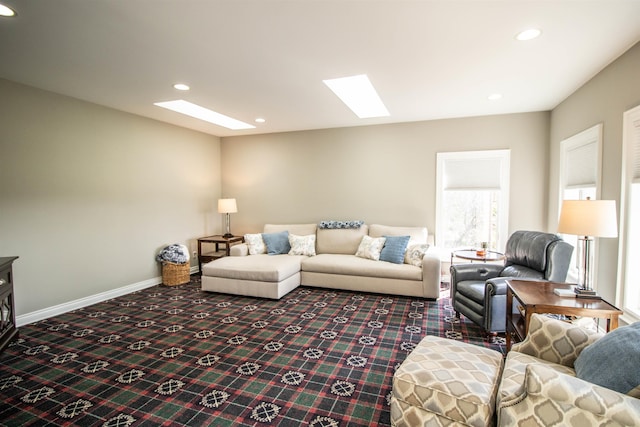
<point x="182" y="357"/>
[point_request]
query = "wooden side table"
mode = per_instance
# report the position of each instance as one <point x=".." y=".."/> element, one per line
<point x="537" y="297"/>
<point x="218" y="252"/>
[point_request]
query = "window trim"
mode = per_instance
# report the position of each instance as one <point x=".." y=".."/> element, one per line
<point x="588" y="136"/>
<point x="585" y="137"/>
<point x="628" y="151"/>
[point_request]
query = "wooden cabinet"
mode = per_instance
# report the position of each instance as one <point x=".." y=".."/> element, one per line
<point x="8" y="330"/>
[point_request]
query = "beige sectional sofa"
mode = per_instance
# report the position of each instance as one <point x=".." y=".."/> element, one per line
<point x="334" y="265"/>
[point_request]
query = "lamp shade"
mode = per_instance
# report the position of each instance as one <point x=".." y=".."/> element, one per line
<point x="595" y="218"/>
<point x="227" y="206"/>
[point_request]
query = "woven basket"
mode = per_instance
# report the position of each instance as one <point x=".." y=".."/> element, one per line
<point x="175" y="274"/>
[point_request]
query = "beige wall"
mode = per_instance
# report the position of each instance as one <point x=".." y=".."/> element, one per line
<point x="601" y="100"/>
<point x="90" y="194"/>
<point x="380" y="174"/>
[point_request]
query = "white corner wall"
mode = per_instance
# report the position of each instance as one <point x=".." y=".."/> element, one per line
<point x="88" y="195"/>
<point x="603" y="99"/>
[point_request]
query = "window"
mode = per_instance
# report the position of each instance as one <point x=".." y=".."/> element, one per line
<point x="580" y="177"/>
<point x="628" y="271"/>
<point x="472" y="199"/>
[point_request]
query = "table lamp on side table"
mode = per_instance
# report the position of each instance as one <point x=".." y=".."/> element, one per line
<point x="588" y="219"/>
<point x="227" y="206"/>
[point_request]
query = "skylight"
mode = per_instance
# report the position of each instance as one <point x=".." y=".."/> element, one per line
<point x="6" y="11"/>
<point x="187" y="108"/>
<point x="359" y="95"/>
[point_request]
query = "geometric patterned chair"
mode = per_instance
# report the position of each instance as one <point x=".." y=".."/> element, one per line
<point x="444" y="382"/>
<point x="539" y="386"/>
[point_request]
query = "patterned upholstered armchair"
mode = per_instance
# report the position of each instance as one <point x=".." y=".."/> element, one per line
<point x="539" y="386"/>
<point x="479" y="291"/>
<point x="560" y="375"/>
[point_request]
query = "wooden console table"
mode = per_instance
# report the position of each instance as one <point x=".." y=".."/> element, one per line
<point x="8" y="329"/>
<point x="530" y="297"/>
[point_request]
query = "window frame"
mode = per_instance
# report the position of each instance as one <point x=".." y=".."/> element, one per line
<point x="504" y="157"/>
<point x="629" y="147"/>
<point x="592" y="135"/>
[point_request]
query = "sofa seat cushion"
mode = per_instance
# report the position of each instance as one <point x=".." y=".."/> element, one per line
<point x="447" y="379"/>
<point x="264" y="268"/>
<point x="352" y="265"/>
<point x="513" y="374"/>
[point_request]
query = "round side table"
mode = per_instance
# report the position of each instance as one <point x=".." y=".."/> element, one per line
<point x="472" y="255"/>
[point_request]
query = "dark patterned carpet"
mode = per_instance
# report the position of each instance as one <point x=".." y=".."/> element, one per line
<point x="182" y="357"/>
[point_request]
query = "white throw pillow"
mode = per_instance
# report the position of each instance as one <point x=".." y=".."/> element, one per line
<point x="302" y="245"/>
<point x="255" y="243"/>
<point x="370" y="247"/>
<point x="415" y="253"/>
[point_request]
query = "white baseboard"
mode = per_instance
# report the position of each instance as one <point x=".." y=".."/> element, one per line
<point x="45" y="313"/>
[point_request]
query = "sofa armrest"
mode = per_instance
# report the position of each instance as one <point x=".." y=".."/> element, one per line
<point x="549" y="396"/>
<point x="431" y="274"/>
<point x="241" y="249"/>
<point x="496" y="286"/>
<point x="479" y="272"/>
<point x="554" y="340"/>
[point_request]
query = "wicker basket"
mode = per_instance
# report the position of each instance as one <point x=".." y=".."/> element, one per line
<point x="175" y="274"/>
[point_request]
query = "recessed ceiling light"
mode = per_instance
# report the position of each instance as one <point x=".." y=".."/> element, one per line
<point x="359" y="95"/>
<point x="529" y="34"/>
<point x="185" y="107"/>
<point x="494" y="96"/>
<point x="181" y="86"/>
<point x="260" y="120"/>
<point x="6" y="11"/>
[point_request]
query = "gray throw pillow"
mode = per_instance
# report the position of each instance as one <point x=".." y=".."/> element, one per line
<point x="277" y="243"/>
<point x="394" y="249"/>
<point x="613" y="361"/>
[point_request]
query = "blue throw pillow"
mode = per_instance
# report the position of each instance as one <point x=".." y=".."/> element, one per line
<point x="394" y="249"/>
<point x="277" y="243"/>
<point x="612" y="361"/>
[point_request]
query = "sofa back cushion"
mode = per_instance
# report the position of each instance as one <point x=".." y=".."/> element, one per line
<point x="340" y="241"/>
<point x="298" y="229"/>
<point x="416" y="234"/>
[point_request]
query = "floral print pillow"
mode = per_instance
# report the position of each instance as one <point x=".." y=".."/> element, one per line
<point x="370" y="247"/>
<point x="255" y="243"/>
<point x="302" y="245"/>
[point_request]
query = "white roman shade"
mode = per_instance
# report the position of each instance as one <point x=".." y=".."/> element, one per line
<point x="481" y="173"/>
<point x="582" y="166"/>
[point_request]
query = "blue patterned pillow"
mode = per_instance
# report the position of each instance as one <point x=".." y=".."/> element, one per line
<point x="277" y="243"/>
<point x="394" y="249"/>
<point x="612" y="361"/>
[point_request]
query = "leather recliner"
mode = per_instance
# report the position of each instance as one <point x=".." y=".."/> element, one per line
<point x="479" y="291"/>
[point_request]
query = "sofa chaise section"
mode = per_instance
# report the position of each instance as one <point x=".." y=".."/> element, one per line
<point x="259" y="275"/>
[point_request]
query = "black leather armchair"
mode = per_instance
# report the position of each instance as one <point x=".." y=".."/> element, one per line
<point x="479" y="291"/>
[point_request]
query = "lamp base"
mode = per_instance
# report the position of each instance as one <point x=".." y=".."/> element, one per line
<point x="586" y="293"/>
<point x="227" y="235"/>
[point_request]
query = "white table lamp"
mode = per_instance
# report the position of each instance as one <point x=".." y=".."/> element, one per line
<point x="227" y="206"/>
<point x="588" y="219"/>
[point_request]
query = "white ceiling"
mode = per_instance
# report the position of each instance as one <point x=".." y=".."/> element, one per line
<point x="429" y="59"/>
